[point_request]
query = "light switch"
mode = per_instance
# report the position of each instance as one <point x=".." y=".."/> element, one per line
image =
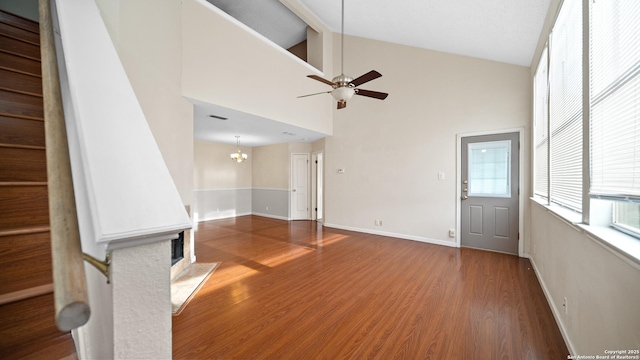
<point x="440" y="176"/>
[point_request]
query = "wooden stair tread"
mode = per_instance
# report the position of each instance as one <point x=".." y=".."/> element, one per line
<point x="19" y="22"/>
<point x="21" y="116"/>
<point x="23" y="206"/>
<point x="20" y="48"/>
<point x="20" y="64"/>
<point x="23" y="183"/>
<point x="24" y="230"/>
<point x="19" y="33"/>
<point x="21" y="105"/>
<point x="23" y="163"/>
<point x="19" y="131"/>
<point x="17" y="295"/>
<point x="20" y="146"/>
<point x="19" y="82"/>
<point x="27" y="324"/>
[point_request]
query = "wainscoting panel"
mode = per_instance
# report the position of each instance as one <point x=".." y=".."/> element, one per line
<point x="270" y="203"/>
<point x="212" y="204"/>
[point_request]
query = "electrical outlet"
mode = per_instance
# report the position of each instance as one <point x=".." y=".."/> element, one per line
<point x="452" y="233"/>
<point x="565" y="305"/>
<point x="380" y="222"/>
<point x="266" y="208"/>
<point x="377" y="222"/>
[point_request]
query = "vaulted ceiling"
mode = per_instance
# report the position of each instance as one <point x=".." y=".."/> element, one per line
<point x="499" y="30"/>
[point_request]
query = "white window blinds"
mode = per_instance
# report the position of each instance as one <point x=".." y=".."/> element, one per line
<point x="565" y="104"/>
<point x="615" y="99"/>
<point x="541" y="128"/>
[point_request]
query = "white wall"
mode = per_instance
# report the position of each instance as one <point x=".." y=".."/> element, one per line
<point x="271" y="166"/>
<point x="259" y="186"/>
<point x="222" y="188"/>
<point x="213" y="168"/>
<point x="601" y="287"/>
<point x="228" y="64"/>
<point x="150" y="50"/>
<point x="392" y="150"/>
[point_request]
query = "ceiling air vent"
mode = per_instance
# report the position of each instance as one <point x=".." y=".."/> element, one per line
<point x="218" y="117"/>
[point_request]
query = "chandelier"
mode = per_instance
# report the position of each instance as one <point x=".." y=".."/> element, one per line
<point x="238" y="156"/>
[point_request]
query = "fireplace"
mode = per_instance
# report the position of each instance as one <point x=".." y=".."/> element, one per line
<point x="177" y="249"/>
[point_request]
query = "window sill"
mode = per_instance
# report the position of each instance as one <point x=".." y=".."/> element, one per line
<point x="570" y="217"/>
<point x="620" y="244"/>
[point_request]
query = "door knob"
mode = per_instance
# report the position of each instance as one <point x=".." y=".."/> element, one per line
<point x="465" y="190"/>
<point x="464" y="197"/>
<point x="465" y="182"/>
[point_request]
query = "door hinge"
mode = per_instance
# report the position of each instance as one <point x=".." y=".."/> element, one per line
<point x="316" y="161"/>
<point x="316" y="209"/>
<point x="518" y="236"/>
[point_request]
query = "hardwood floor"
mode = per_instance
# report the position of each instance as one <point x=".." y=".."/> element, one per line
<point x="296" y="290"/>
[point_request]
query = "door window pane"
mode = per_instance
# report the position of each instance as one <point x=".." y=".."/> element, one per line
<point x="489" y="170"/>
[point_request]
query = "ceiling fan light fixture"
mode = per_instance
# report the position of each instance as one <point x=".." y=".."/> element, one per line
<point x="343" y="93"/>
<point x="344" y="87"/>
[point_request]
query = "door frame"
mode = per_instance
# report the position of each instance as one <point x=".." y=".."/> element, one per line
<point x="291" y="174"/>
<point x="314" y="185"/>
<point x="521" y="196"/>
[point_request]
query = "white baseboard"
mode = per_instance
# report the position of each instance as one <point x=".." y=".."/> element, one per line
<point x="209" y="218"/>
<point x="270" y="216"/>
<point x="554" y="310"/>
<point x="399" y="236"/>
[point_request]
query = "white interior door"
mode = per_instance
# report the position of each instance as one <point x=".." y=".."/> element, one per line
<point x="299" y="187"/>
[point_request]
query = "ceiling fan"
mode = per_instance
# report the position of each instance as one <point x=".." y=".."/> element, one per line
<point x="344" y="87"/>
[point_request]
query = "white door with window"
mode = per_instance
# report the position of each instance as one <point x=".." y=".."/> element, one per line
<point x="299" y="187"/>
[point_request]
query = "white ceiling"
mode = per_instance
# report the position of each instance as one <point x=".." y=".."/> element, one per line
<point x="253" y="130"/>
<point x="499" y="30"/>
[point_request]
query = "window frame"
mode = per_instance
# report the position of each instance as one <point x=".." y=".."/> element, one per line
<point x="618" y="236"/>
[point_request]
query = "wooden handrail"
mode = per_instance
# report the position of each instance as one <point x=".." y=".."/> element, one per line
<point x="69" y="281"/>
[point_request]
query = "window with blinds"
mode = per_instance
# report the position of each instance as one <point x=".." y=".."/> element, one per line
<point x="615" y="99"/>
<point x="614" y="61"/>
<point x="541" y="128"/>
<point x="613" y="81"/>
<point x="565" y="107"/>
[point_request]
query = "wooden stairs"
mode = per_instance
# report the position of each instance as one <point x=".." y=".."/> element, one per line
<point x="27" y="325"/>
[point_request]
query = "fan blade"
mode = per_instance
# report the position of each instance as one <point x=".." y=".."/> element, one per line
<point x="371" y="75"/>
<point x="342" y="104"/>
<point x="324" y="92"/>
<point x="316" y="77"/>
<point x="373" y="94"/>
